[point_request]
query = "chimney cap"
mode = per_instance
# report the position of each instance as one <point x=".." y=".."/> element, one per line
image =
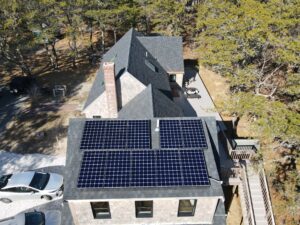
<point x="108" y="63"/>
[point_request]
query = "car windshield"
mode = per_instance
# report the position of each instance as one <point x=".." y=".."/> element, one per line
<point x="4" y="180"/>
<point x="39" y="180"/>
<point x="34" y="218"/>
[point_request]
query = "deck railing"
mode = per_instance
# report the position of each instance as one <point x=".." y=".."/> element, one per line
<point x="240" y="149"/>
<point x="266" y="197"/>
<point x="250" y="220"/>
<point x="242" y="154"/>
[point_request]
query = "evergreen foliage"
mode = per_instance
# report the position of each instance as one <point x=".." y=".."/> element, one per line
<point x="254" y="43"/>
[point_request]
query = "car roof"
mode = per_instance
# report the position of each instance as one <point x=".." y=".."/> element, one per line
<point x="20" y="179"/>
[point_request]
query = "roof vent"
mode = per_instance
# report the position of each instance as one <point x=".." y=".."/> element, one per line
<point x="157" y="126"/>
<point x="146" y="54"/>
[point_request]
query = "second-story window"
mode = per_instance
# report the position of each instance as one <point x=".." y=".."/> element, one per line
<point x="187" y="207"/>
<point x="151" y="66"/>
<point x="101" y="210"/>
<point x="172" y="77"/>
<point x="144" y="209"/>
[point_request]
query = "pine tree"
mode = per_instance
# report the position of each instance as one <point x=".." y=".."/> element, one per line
<point x="15" y="37"/>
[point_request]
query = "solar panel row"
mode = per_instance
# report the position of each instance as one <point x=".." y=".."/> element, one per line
<point x="140" y="168"/>
<point x="116" y="134"/>
<point x="182" y="134"/>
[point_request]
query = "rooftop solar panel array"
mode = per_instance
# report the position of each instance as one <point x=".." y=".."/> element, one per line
<point x="142" y="168"/>
<point x="182" y="134"/>
<point x="116" y="134"/>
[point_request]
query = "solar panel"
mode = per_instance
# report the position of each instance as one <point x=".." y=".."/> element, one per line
<point x="170" y="134"/>
<point x="182" y="134"/>
<point x="193" y="134"/>
<point x="116" y="134"/>
<point x="194" y="171"/>
<point x="142" y="168"/>
<point x="117" y="169"/>
<point x="168" y="168"/>
<point x="92" y="169"/>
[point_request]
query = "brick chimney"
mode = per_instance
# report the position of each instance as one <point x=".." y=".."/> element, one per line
<point x="110" y="89"/>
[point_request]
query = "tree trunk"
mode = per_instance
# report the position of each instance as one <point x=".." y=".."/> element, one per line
<point x="49" y="55"/>
<point x="91" y="35"/>
<point x="148" y="30"/>
<point x="25" y="69"/>
<point x="115" y="36"/>
<point x="73" y="46"/>
<point x="75" y="50"/>
<point x="54" y="54"/>
<point x="103" y="40"/>
<point x="72" y="42"/>
<point x="23" y="66"/>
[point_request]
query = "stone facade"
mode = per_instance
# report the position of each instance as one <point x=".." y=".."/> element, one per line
<point x="164" y="212"/>
<point x="129" y="88"/>
<point x="179" y="79"/>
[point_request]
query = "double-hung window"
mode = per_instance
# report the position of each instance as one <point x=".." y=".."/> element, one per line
<point x="101" y="210"/>
<point x="187" y="207"/>
<point x="143" y="209"/>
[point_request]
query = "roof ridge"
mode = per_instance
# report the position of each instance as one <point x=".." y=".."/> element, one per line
<point x="132" y="35"/>
<point x="152" y="98"/>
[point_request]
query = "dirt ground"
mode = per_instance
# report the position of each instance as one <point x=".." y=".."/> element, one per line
<point x="234" y="215"/>
<point x="41" y="125"/>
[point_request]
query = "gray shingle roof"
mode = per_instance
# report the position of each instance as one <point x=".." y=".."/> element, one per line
<point x="129" y="54"/>
<point x="167" y="50"/>
<point x="119" y="53"/>
<point x="148" y="104"/>
<point x="138" y="68"/>
<point x="74" y="157"/>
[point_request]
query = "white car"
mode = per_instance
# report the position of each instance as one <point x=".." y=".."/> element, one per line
<point x="51" y="217"/>
<point x="30" y="185"/>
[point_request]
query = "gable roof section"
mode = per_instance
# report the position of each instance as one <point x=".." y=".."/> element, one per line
<point x="148" y="104"/>
<point x="140" y="107"/>
<point x="138" y="68"/>
<point x="167" y="51"/>
<point x="129" y="54"/>
<point x="163" y="106"/>
<point x="119" y="54"/>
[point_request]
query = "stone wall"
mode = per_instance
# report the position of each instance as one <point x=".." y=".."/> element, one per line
<point x="164" y="212"/>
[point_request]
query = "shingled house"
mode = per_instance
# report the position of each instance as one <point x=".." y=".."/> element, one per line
<point x="142" y="162"/>
<point x="158" y="171"/>
<point x="137" y="71"/>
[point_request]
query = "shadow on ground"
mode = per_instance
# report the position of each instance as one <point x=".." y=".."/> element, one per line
<point x="37" y="127"/>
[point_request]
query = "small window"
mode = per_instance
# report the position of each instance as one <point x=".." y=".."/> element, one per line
<point x="144" y="209"/>
<point x="151" y="66"/>
<point x="187" y="207"/>
<point x="101" y="210"/>
<point x="97" y="117"/>
<point x="172" y="78"/>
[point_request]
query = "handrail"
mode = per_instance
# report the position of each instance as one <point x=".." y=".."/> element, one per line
<point x="248" y="198"/>
<point x="266" y="197"/>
